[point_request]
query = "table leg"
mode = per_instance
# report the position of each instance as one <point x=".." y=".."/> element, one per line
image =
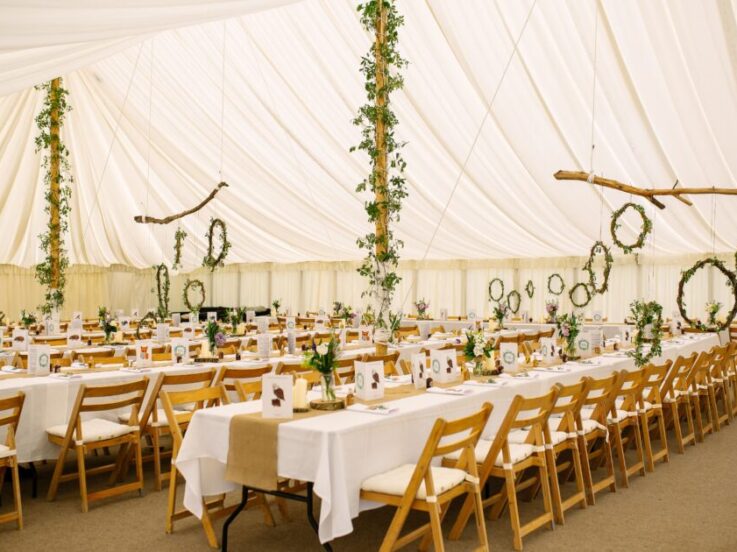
<point x="232" y="516"/>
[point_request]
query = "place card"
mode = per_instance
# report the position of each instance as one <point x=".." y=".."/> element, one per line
<point x="188" y="330"/>
<point x="263" y="345"/>
<point x="508" y="356"/>
<point x="143" y="351"/>
<point x="20" y="340"/>
<point x="548" y="349"/>
<point x="597" y="317"/>
<point x="250" y="316"/>
<point x="291" y="323"/>
<point x="456" y="391"/>
<point x="262" y="323"/>
<point x="74" y="338"/>
<point x="276" y="396"/>
<point x="39" y="360"/>
<point x="379" y="409"/>
<point x="444" y="365"/>
<point x="583" y="345"/>
<point x="420" y="373"/>
<point x="135" y="313"/>
<point x="365" y="333"/>
<point x="162" y="332"/>
<point x="176" y="319"/>
<point x="180" y="349"/>
<point x="443" y="314"/>
<point x="77" y="315"/>
<point x="291" y="342"/>
<point x="369" y="380"/>
<point x="125" y="323"/>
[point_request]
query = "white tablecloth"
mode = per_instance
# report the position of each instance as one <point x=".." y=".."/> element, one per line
<point x="338" y="451"/>
<point x="426" y="325"/>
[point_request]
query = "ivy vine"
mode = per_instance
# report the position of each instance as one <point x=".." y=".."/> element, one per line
<point x="645" y="229"/>
<point x="731" y="281"/>
<point x="381" y="67"/>
<point x="646" y="314"/>
<point x="572" y="294"/>
<point x="209" y="260"/>
<point x="57" y="194"/>
<point x="501" y="291"/>
<point x="162" y="290"/>
<point x="193" y="285"/>
<point x="559" y="278"/>
<point x="597" y="249"/>
<point x="530" y="289"/>
<point x="517" y="298"/>
<point x="179" y="237"/>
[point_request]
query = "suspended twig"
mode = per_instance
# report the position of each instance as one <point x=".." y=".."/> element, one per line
<point x="647" y="193"/>
<point x="145" y="219"/>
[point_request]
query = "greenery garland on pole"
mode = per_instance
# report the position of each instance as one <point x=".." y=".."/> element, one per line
<point x="597" y="249"/>
<point x="51" y="272"/>
<point x="179" y="237"/>
<point x="530" y="289"/>
<point x="646" y="315"/>
<point x="517" y="297"/>
<point x="381" y="67"/>
<point x="572" y="293"/>
<point x="731" y="280"/>
<point x="550" y="284"/>
<point x="209" y="260"/>
<point x="162" y="290"/>
<point x="646" y="228"/>
<point x="193" y="285"/>
<point x="501" y="292"/>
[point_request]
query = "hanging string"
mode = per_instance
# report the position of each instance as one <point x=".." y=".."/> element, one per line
<point x="473" y="143"/>
<point x="148" y="137"/>
<point x="713" y="223"/>
<point x="593" y="119"/>
<point x="222" y="100"/>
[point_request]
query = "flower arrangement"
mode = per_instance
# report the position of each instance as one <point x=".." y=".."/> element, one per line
<point x="569" y="326"/>
<point x="109" y="326"/>
<point x="501" y="310"/>
<point x="236" y="317"/>
<point x="346" y="313"/>
<point x="551" y="308"/>
<point x="478" y="348"/>
<point x="395" y="320"/>
<point x="27" y="319"/>
<point x="368" y="318"/>
<point x="324" y="359"/>
<point x="213" y="334"/>
<point x="712" y="309"/>
<point x="337" y="308"/>
<point x="422" y="307"/>
<point x="102" y="315"/>
<point x="276" y="303"/>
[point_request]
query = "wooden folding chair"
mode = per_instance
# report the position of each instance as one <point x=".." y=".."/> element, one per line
<point x="200" y="398"/>
<point x="624" y="422"/>
<point x="229" y="377"/>
<point x="10" y="411"/>
<point x="508" y="461"/>
<point x="108" y="362"/>
<point x="430" y="489"/>
<point x="406" y="331"/>
<point x="83" y="436"/>
<point x="719" y="392"/>
<point x="591" y="426"/>
<point x="652" y="415"/>
<point x="90" y="357"/>
<point x="345" y="370"/>
<point x="390" y="362"/>
<point x="700" y="395"/>
<point x="675" y="394"/>
<point x="730" y="371"/>
<point x="437" y="329"/>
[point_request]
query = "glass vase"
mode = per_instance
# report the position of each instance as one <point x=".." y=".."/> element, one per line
<point x="478" y="366"/>
<point x="327" y="389"/>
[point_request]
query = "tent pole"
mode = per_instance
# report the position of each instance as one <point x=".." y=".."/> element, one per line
<point x="54" y="186"/>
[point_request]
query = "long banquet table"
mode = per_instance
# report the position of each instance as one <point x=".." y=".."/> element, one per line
<point x="337" y="451"/>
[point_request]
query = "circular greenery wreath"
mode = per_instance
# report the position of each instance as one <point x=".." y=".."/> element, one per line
<point x="686" y="276"/>
<point x="514" y="293"/>
<point x="530" y="289"/>
<point x="562" y="284"/>
<point x="162" y="287"/>
<point x="647" y="226"/>
<point x="645" y="314"/>
<point x="572" y="292"/>
<point x="501" y="293"/>
<point x="597" y="249"/>
<point x="209" y="260"/>
<point x="190" y="284"/>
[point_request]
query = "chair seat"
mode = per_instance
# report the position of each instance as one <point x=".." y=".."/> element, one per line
<point x="517" y="452"/>
<point x="394" y="482"/>
<point x="591" y="425"/>
<point x="93" y="430"/>
<point x="519" y="436"/>
<point x="620" y="417"/>
<point x="160" y="422"/>
<point x="6" y="451"/>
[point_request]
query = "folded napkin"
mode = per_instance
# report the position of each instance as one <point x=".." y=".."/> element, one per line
<point x="478" y="383"/>
<point x="11" y="369"/>
<point x="380" y="409"/>
<point x="457" y="391"/>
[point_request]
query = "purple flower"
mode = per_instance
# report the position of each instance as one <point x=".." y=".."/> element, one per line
<point x="566" y="332"/>
<point x="219" y="339"/>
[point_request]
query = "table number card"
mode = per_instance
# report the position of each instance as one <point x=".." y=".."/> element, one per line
<point x="472" y="315"/>
<point x="39" y="360"/>
<point x="50" y="326"/>
<point x="365" y="333"/>
<point x="276" y="396"/>
<point x="74" y="338"/>
<point x="583" y="345"/>
<point x="676" y="326"/>
<point x="443" y="314"/>
<point x="369" y="380"/>
<point x="626" y="334"/>
<point x="508" y="356"/>
<point x="357" y="319"/>
<point x="444" y="366"/>
<point x="162" y="332"/>
<point x="75" y="325"/>
<point x="420" y="373"/>
<point x="188" y="330"/>
<point x="125" y="323"/>
<point x="143" y="351"/>
<point x="291" y="342"/>
<point x="136" y="314"/>
<point x="176" y="319"/>
<point x="597" y="317"/>
<point x="250" y="316"/>
<point x="180" y="349"/>
<point x="320" y="323"/>
<point x="212" y="316"/>
<point x="20" y="340"/>
<point x="263" y="342"/>
<point x="291" y="323"/>
<point x="548" y="349"/>
<point x="262" y="323"/>
<point x="77" y="315"/>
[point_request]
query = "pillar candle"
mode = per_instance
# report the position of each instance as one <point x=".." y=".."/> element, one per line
<point x="299" y="397"/>
<point x="205" y="350"/>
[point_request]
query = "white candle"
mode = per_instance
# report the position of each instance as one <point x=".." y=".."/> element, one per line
<point x="205" y="350"/>
<point x="299" y="396"/>
<point x="118" y="337"/>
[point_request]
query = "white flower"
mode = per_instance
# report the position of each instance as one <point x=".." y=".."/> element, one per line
<point x="478" y="350"/>
<point x="322" y="349"/>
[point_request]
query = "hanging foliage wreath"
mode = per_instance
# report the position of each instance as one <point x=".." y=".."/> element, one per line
<point x="514" y="294"/>
<point x="179" y="237"/>
<point x="572" y="294"/>
<point x="562" y="287"/>
<point x="645" y="229"/>
<point x="210" y="261"/>
<point x="732" y="282"/>
<point x="194" y="285"/>
<point x="646" y="315"/>
<point x="597" y="249"/>
<point x="530" y="289"/>
<point x="501" y="293"/>
<point x="162" y="289"/>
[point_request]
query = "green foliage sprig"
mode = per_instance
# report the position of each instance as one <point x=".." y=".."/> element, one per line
<point x="162" y="290"/>
<point x="514" y="298"/>
<point x="572" y="294"/>
<point x="646" y="314"/>
<point x="276" y="303"/>
<point x="597" y="249"/>
<point x="646" y="228"/>
<point x="530" y="289"/>
<point x="27" y="319"/>
<point x="559" y="278"/>
<point x="209" y="260"/>
<point x="500" y="295"/>
<point x="731" y="282"/>
<point x="179" y="237"/>
<point x="193" y="285"/>
<point x="387" y="185"/>
<point x="55" y="101"/>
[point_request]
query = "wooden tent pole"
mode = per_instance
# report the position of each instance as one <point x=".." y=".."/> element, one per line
<point x="54" y="186"/>
<point x="382" y="222"/>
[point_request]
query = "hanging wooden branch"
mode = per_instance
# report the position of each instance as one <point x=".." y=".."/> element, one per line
<point x="145" y="219"/>
<point x="647" y="193"/>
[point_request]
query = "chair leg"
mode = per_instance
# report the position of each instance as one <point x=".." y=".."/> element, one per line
<point x="637" y="433"/>
<point x="462" y="519"/>
<point x="696" y="403"/>
<point x="588" y="480"/>
<point x="437" y="531"/>
<point x="554" y="485"/>
<point x="16" y="493"/>
<point x="155" y="441"/>
<point x="663" y="436"/>
<point x="395" y="529"/>
<point x="82" y="476"/>
<point x="212" y="539"/>
<point x="648" y="447"/>
<point x="139" y="463"/>
<point x="480" y="523"/>
<point x="58" y="471"/>
<point x="713" y="411"/>
<point x="578" y="474"/>
<point x="172" y="500"/>
<point x="545" y="486"/>
<point x="511" y="489"/>
<point x="689" y="421"/>
<point x="620" y="454"/>
<point x="677" y="426"/>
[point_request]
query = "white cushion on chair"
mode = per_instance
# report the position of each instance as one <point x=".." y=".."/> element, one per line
<point x="95" y="429"/>
<point x="6" y="452"/>
<point x="590" y="425"/>
<point x="160" y="413"/>
<point x="517" y="452"/>
<point x="394" y="482"/>
<point x="519" y="436"/>
<point x="621" y="416"/>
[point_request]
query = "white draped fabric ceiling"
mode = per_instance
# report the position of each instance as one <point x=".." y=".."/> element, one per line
<point x="147" y="87"/>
